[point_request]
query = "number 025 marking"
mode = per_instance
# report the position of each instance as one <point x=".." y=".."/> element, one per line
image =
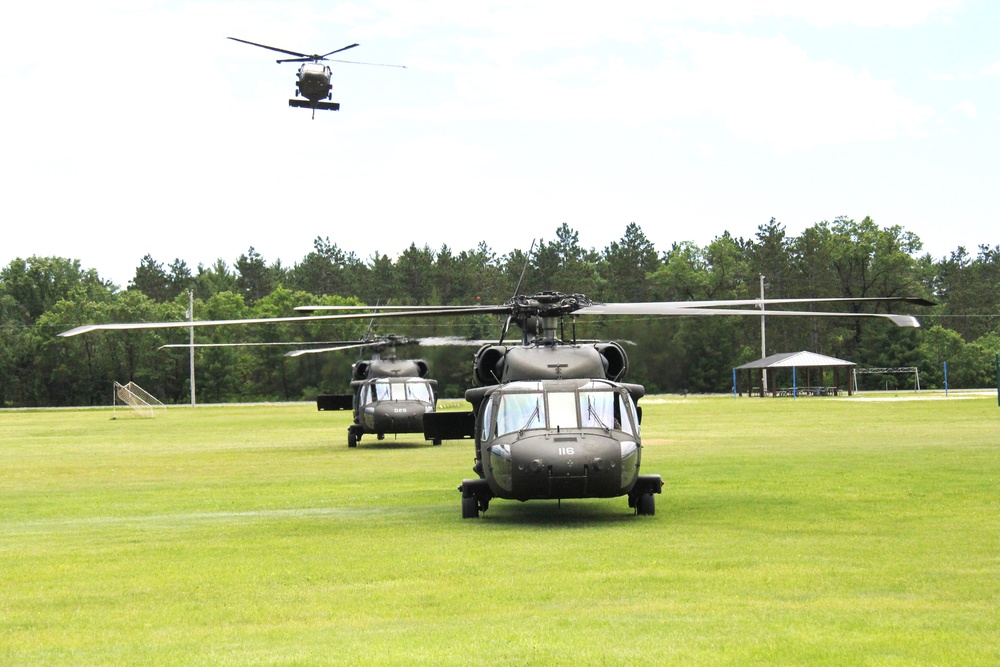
<point x="566" y="451"/>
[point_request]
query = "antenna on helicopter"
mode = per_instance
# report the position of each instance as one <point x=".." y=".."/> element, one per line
<point x="517" y="290"/>
<point x="527" y="258"/>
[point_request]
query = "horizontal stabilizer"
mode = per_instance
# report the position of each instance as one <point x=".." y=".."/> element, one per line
<point x="306" y="104"/>
<point x="334" y="401"/>
<point x="449" y="425"/>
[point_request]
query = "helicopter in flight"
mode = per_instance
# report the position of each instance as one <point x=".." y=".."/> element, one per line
<point x="552" y="417"/>
<point x="388" y="394"/>
<point x="313" y="78"/>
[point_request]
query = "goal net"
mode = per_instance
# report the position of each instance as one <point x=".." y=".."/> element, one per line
<point x="888" y="371"/>
<point x="140" y="401"/>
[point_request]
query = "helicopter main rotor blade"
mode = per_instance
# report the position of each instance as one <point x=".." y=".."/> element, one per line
<point x="403" y="311"/>
<point x="357" y="62"/>
<point x="274" y="48"/>
<point x="665" y="309"/>
<point x="350" y="46"/>
<point x="317" y="350"/>
<point x="712" y="307"/>
<point x="254" y="344"/>
<point x="756" y="302"/>
<point x="434" y="341"/>
<point x="312" y="309"/>
<point x="442" y="341"/>
<point x="179" y="324"/>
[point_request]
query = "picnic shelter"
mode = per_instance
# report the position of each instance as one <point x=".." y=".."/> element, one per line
<point x="795" y="374"/>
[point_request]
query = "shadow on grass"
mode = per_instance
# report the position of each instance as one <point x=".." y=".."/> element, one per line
<point x="552" y="514"/>
<point x="394" y="444"/>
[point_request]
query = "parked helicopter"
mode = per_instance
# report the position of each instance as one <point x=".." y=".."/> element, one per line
<point x="389" y="395"/>
<point x="313" y="77"/>
<point x="552" y="418"/>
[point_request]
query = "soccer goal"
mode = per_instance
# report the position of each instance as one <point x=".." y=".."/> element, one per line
<point x="885" y="371"/>
<point x="140" y="402"/>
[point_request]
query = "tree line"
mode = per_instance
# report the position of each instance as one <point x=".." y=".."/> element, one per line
<point x="42" y="296"/>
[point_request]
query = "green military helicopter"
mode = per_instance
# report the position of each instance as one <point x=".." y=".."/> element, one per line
<point x="388" y="395"/>
<point x="313" y="81"/>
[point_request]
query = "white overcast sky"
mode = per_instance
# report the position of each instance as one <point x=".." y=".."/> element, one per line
<point x="132" y="127"/>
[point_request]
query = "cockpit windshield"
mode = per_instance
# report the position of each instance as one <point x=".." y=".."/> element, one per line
<point x="388" y="390"/>
<point x="588" y="406"/>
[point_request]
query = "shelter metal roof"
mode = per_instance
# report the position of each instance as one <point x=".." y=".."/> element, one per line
<point x="796" y="359"/>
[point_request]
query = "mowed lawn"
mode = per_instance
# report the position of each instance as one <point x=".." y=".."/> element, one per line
<point x="829" y="531"/>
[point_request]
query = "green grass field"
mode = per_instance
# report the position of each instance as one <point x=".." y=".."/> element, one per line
<point x="790" y="532"/>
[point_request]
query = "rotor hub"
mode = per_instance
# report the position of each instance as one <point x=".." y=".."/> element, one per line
<point x="547" y="304"/>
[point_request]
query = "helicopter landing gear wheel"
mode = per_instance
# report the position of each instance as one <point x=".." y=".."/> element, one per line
<point x="645" y="504"/>
<point x="470" y="507"/>
<point x="476" y="496"/>
<point x="352" y="438"/>
<point x="436" y="442"/>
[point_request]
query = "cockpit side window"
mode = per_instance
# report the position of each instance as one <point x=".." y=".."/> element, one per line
<point x="487" y="413"/>
<point x="624" y="411"/>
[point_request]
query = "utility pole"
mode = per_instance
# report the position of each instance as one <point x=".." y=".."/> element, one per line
<point x="763" y="344"/>
<point x="190" y="315"/>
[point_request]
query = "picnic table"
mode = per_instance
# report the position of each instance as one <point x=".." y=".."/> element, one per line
<point x="808" y="391"/>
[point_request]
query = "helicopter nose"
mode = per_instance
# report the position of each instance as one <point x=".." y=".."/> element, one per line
<point x="534" y="468"/>
<point x="399" y="417"/>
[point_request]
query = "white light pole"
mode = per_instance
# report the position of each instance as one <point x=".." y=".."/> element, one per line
<point x="190" y="314"/>
<point x="763" y="344"/>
